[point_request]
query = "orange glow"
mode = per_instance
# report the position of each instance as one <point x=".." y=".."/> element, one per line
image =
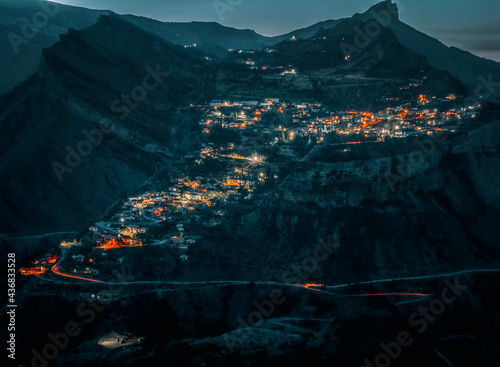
<point x="309" y="285"/>
<point x="395" y="294"/>
<point x="113" y="243"/>
<point x="423" y="99"/>
<point x="231" y="182"/>
<point x="52" y="259"/>
<point x="39" y="270"/>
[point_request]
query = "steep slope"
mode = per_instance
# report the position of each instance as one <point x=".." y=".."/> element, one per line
<point x="326" y="68"/>
<point x="215" y="39"/>
<point x="31" y="25"/>
<point x="23" y="53"/>
<point x="21" y="47"/>
<point x="413" y="207"/>
<point x="81" y="88"/>
<point x="463" y="65"/>
<point x="211" y="37"/>
<point x="308" y="32"/>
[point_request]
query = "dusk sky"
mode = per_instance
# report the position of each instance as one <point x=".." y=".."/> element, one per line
<point x="470" y="25"/>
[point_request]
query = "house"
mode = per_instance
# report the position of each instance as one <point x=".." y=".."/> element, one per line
<point x="177" y="240"/>
<point x="249" y="103"/>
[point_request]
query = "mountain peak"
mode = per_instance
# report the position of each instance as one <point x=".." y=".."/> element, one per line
<point x="384" y="12"/>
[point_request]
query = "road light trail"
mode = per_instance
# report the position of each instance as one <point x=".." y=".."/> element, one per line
<point x="56" y="271"/>
<point x="395" y="294"/>
<point x="414" y="278"/>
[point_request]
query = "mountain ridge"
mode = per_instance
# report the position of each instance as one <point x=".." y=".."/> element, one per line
<point x="215" y="39"/>
<point x="85" y="77"/>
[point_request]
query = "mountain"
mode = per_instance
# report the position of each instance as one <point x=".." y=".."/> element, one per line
<point x="327" y="68"/>
<point x="81" y="82"/>
<point x="438" y="218"/>
<point x="21" y="49"/>
<point x="86" y="76"/>
<point x="214" y="39"/>
<point x="308" y="32"/>
<point x="24" y="41"/>
<point x="472" y="70"/>
<point x="325" y="257"/>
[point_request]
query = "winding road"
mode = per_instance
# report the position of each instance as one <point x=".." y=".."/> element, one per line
<point x="55" y="270"/>
<point x="41" y="235"/>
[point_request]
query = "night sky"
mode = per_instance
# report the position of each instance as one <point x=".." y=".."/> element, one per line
<point x="472" y="25"/>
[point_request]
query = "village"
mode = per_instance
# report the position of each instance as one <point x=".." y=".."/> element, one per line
<point x="246" y="145"/>
<point x="282" y="122"/>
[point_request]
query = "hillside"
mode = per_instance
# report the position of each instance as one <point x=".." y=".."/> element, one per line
<point x="73" y="91"/>
<point x="21" y="49"/>
<point x="472" y="70"/>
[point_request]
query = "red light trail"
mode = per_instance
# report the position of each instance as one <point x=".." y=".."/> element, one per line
<point x="394" y="294"/>
<point x="56" y="271"/>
